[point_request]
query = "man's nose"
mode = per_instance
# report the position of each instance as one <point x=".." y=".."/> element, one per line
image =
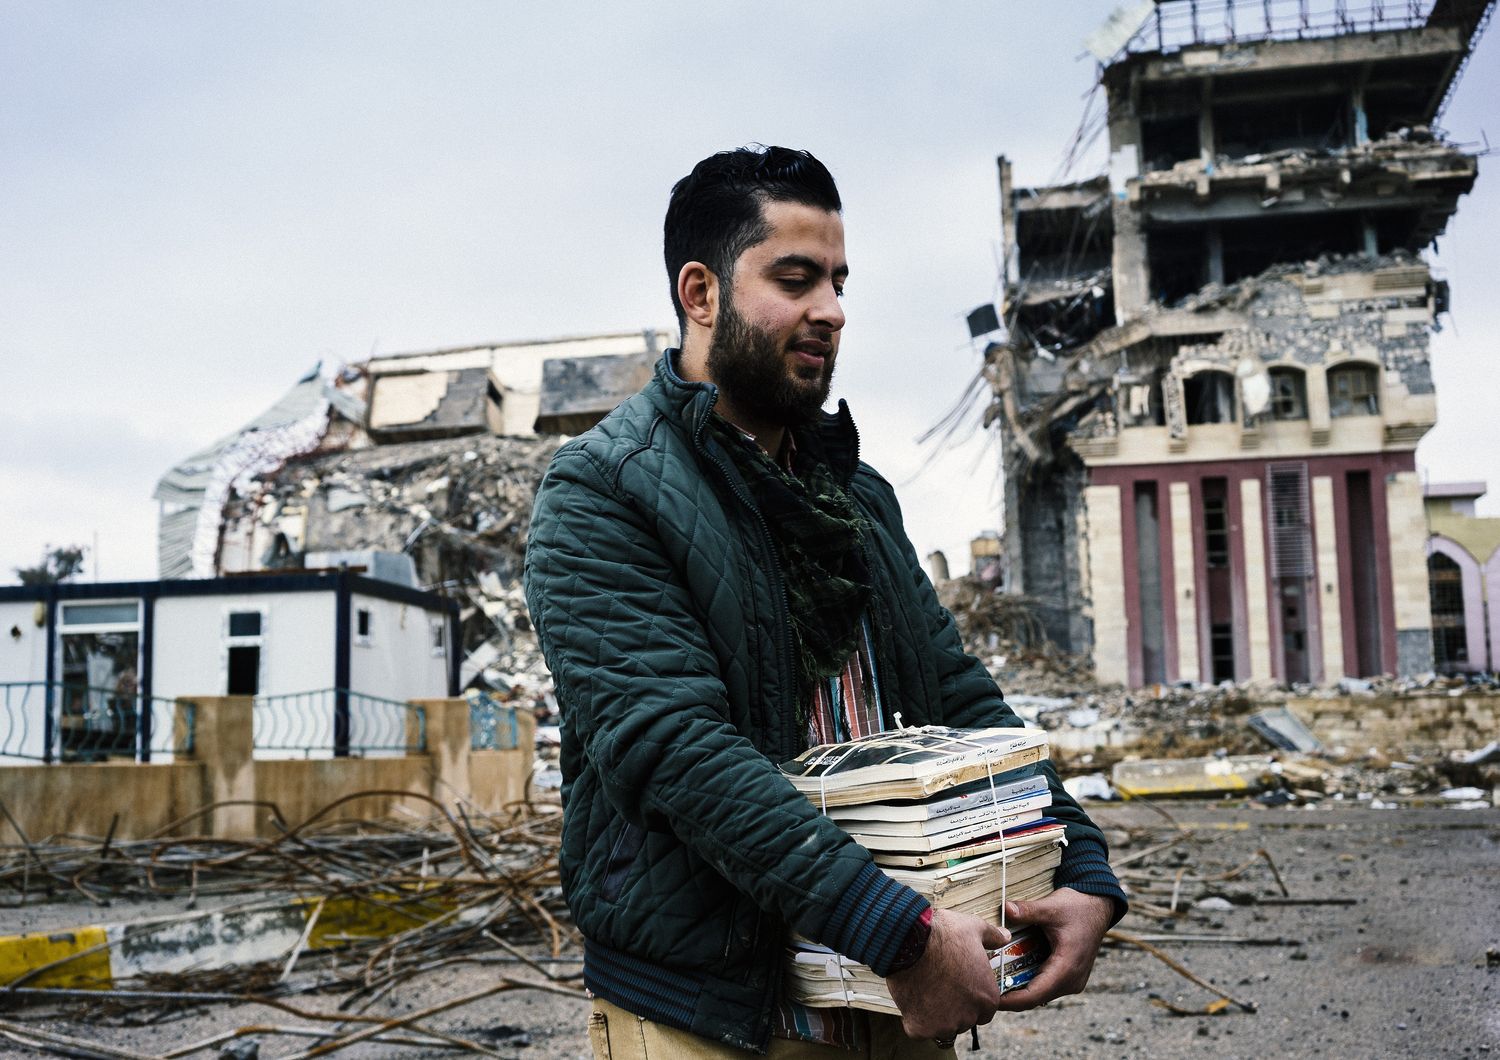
<point x="828" y="311"/>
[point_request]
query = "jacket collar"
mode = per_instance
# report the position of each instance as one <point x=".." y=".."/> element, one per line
<point x="832" y="436"/>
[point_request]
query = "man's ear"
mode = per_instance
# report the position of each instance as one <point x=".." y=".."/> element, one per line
<point x="698" y="291"/>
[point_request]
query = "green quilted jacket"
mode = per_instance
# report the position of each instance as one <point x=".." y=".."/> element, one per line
<point x="654" y="587"/>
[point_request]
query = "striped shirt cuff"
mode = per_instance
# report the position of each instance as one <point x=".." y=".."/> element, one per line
<point x="1085" y="868"/>
<point x="872" y="919"/>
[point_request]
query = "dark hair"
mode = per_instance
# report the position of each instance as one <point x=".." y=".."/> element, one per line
<point x="715" y="213"/>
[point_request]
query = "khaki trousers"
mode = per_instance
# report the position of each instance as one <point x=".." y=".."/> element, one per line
<point x="619" y="1035"/>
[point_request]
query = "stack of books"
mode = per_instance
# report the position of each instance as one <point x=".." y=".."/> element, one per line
<point x="958" y="815"/>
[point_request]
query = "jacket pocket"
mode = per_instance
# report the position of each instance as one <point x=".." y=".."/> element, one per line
<point x="622" y="857"/>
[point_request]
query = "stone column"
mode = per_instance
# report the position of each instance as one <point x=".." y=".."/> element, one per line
<point x="223" y="740"/>
<point x="448" y="748"/>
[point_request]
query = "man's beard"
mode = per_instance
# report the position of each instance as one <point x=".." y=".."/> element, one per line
<point x="752" y="371"/>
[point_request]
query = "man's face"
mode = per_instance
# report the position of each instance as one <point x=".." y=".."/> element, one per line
<point x="776" y="335"/>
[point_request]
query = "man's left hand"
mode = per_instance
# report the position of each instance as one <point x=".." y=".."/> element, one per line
<point x="1075" y="924"/>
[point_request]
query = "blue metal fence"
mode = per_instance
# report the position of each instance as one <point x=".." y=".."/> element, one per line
<point x="338" y="722"/>
<point x="55" y="721"/>
<point x="492" y="724"/>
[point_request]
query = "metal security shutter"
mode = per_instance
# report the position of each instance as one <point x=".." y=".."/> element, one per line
<point x="1291" y="530"/>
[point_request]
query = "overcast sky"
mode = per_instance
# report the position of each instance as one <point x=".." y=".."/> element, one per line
<point x="200" y="201"/>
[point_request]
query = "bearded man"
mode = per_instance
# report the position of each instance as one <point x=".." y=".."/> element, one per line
<point x="719" y="583"/>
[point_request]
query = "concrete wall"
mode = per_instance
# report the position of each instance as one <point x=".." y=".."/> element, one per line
<point x="191" y="647"/>
<point x="301" y="787"/>
<point x="81" y="799"/>
<point x="1398" y="726"/>
<point x="238" y="796"/>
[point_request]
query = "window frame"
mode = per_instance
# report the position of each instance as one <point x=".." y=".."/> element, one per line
<point x="1363" y="403"/>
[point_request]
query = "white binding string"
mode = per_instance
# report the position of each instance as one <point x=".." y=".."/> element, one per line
<point x="829" y="767"/>
<point x="989" y="772"/>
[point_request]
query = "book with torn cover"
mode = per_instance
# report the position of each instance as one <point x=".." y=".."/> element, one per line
<point x="1016" y="784"/>
<point x="978" y="886"/>
<point x="943" y="832"/>
<point x="910" y="763"/>
<point x="1045" y="830"/>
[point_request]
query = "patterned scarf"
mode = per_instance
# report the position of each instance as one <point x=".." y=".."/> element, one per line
<point x="819" y="537"/>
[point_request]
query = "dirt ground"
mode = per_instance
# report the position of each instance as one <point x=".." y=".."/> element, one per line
<point x="1402" y="972"/>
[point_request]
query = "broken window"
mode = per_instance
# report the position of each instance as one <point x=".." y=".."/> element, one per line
<point x="1450" y="635"/>
<point x="1177" y="260"/>
<point x="1288" y="394"/>
<point x="1215" y="531"/>
<point x="242" y="653"/>
<point x="1252" y="246"/>
<point x="1291" y="527"/>
<point x="1218" y="594"/>
<point x="1309" y="123"/>
<point x="1353" y="390"/>
<point x="1209" y="397"/>
<point x="1291" y="561"/>
<point x="1167" y="141"/>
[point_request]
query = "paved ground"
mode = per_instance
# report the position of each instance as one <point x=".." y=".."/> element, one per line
<point x="1403" y="972"/>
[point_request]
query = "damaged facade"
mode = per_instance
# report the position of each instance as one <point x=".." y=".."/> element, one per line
<point x="1215" y="370"/>
<point x="418" y="468"/>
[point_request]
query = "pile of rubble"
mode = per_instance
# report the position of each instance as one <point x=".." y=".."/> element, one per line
<point x="459" y="507"/>
<point x="1245" y="739"/>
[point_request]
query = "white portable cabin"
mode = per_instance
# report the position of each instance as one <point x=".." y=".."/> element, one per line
<point x="292" y="640"/>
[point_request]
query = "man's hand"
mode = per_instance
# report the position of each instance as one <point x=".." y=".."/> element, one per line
<point x="952" y="987"/>
<point x="1075" y="924"/>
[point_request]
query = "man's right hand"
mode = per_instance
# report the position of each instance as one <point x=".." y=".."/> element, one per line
<point x="952" y="987"/>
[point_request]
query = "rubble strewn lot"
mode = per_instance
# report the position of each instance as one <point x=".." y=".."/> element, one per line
<point x="1384" y="940"/>
<point x="1383" y="739"/>
<point x="1344" y="900"/>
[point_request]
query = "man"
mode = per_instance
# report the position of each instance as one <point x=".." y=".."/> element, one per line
<point x="718" y="582"/>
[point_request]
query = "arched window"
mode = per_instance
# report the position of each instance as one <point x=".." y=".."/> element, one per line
<point x="1209" y="397"/>
<point x="1288" y="394"/>
<point x="1450" y="636"/>
<point x="1353" y="390"/>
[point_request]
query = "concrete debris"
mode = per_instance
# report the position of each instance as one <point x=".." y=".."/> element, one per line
<point x="420" y="468"/>
<point x="415" y="405"/>
<point x="455" y="510"/>
<point x="1489" y="753"/>
<point x="1398" y="737"/>
<point x="1090" y="786"/>
<point x="1465" y="795"/>
<point x="1284" y="730"/>
<point x="1193" y="776"/>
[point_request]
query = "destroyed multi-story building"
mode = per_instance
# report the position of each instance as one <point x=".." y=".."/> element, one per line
<point x="419" y="468"/>
<point x="1215" y="366"/>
